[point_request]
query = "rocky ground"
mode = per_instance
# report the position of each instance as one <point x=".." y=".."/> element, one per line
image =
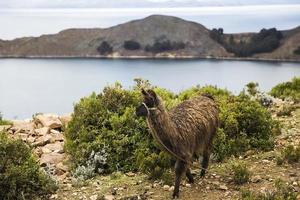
<point x="45" y="134"/>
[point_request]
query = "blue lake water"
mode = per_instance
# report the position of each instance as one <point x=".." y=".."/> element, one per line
<point x="28" y="86"/>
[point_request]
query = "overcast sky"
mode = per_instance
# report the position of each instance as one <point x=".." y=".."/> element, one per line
<point x="134" y="3"/>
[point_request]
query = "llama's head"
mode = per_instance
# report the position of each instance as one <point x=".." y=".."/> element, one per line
<point x="150" y="102"/>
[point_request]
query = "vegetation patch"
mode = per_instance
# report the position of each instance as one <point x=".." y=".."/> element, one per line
<point x="106" y="123"/>
<point x="297" y="51"/>
<point x="282" y="191"/>
<point x="131" y="45"/>
<point x="266" y="40"/>
<point x="289" y="154"/>
<point x="288" y="90"/>
<point x="105" y="48"/>
<point x="241" y="174"/>
<point x="20" y="174"/>
<point x="164" y="45"/>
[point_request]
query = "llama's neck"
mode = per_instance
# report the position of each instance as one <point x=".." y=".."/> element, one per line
<point x="162" y="127"/>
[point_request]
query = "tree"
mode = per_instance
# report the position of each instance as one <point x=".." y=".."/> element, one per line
<point x="105" y="48"/>
<point x="131" y="45"/>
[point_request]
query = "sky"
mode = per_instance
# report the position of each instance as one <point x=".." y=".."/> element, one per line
<point x="4" y="4"/>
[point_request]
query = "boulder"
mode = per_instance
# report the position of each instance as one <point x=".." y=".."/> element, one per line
<point x="57" y="137"/>
<point x="42" y="131"/>
<point x="48" y="120"/>
<point x="43" y="140"/>
<point x="51" y="158"/>
<point x="57" y="147"/>
<point x="23" y="126"/>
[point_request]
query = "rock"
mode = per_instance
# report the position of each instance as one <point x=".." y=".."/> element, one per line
<point x="53" y="131"/>
<point x="57" y="137"/>
<point x="223" y="187"/>
<point x="48" y="120"/>
<point x="166" y="187"/>
<point x="5" y="127"/>
<point x="256" y="179"/>
<point x="109" y="197"/>
<point x="171" y="188"/>
<point x="41" y="141"/>
<point x="188" y="185"/>
<point x="38" y="151"/>
<point x="130" y="174"/>
<point x="42" y="131"/>
<point x="30" y="139"/>
<point x="23" y="126"/>
<point x="46" y="150"/>
<point x="94" y="197"/>
<point x="51" y="158"/>
<point x="56" y="147"/>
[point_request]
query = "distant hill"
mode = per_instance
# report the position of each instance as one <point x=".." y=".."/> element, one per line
<point x="153" y="36"/>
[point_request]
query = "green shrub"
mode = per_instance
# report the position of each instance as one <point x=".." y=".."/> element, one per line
<point x="241" y="174"/>
<point x="297" y="51"/>
<point x="108" y="121"/>
<point x="163" y="45"/>
<point x="291" y="154"/>
<point x="287" y="110"/>
<point x="289" y="89"/>
<point x="20" y="174"/>
<point x="105" y="48"/>
<point x="131" y="45"/>
<point x="252" y="88"/>
<point x="282" y="192"/>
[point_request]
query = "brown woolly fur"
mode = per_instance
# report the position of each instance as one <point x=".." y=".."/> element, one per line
<point x="186" y="131"/>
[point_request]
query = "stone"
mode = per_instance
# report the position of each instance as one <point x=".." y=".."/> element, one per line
<point x="94" y="197"/>
<point x="109" y="197"/>
<point x="30" y="139"/>
<point x="171" y="188"/>
<point x="23" y="126"/>
<point x="223" y="187"/>
<point x="46" y="150"/>
<point x="188" y="185"/>
<point x="48" y="120"/>
<point x="62" y="167"/>
<point x="41" y="141"/>
<point x="57" y="147"/>
<point x="57" y="137"/>
<point x="130" y="174"/>
<point x="256" y="179"/>
<point x="51" y="158"/>
<point x="166" y="187"/>
<point x="42" y="131"/>
<point x="22" y="136"/>
<point x="53" y="131"/>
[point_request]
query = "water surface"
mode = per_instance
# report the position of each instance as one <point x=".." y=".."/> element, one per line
<point x="28" y="86"/>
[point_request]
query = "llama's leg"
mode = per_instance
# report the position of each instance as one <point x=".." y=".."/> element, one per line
<point x="189" y="176"/>
<point x="180" y="168"/>
<point x="205" y="162"/>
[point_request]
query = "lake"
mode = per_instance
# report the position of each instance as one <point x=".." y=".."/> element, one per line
<point x="28" y="86"/>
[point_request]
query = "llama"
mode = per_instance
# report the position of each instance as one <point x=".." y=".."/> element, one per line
<point x="185" y="132"/>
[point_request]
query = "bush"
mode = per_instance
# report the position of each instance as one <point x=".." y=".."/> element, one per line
<point x="288" y="90"/>
<point x="241" y="174"/>
<point x="131" y="45"/>
<point x="108" y="121"/>
<point x="266" y="40"/>
<point x="20" y="175"/>
<point x="291" y="154"/>
<point x="252" y="88"/>
<point x="297" y="51"/>
<point x="287" y="110"/>
<point x="164" y="45"/>
<point x="105" y="48"/>
<point x="282" y="192"/>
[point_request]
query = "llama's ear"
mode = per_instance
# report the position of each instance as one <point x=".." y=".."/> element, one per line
<point x="152" y="93"/>
<point x="144" y="92"/>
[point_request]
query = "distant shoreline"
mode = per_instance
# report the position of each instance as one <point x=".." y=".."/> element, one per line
<point x="154" y="58"/>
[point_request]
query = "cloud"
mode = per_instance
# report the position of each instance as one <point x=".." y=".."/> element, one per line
<point x="135" y="3"/>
